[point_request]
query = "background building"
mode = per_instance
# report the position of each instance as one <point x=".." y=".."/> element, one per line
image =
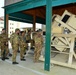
<point x="12" y="26"/>
<point x="1" y="23"/>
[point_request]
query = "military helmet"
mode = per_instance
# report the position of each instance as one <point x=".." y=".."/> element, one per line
<point x="17" y="29"/>
<point x="39" y="30"/>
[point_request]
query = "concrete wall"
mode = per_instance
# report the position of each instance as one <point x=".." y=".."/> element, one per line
<point x="8" y="2"/>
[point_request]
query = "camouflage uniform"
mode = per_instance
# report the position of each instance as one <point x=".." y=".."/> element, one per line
<point x="22" y="47"/>
<point x="32" y="41"/>
<point x="11" y="38"/>
<point x="38" y="46"/>
<point x="15" y="46"/>
<point x="28" y="38"/>
<point x="4" y="45"/>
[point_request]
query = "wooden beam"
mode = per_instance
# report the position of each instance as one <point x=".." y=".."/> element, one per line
<point x="59" y="63"/>
<point x="34" y="22"/>
<point x="71" y="50"/>
<point x="6" y="21"/>
<point x="63" y="64"/>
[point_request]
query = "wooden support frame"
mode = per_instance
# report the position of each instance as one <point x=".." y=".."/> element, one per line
<point x="71" y="50"/>
<point x="70" y="54"/>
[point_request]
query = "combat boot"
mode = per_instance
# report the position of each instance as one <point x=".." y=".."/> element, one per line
<point x="23" y="59"/>
<point x="10" y="54"/>
<point x="15" y="63"/>
<point x="3" y="59"/>
<point x="6" y="58"/>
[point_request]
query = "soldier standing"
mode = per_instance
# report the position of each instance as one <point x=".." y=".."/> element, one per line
<point x="22" y="45"/>
<point x="32" y="40"/>
<point x="15" y="45"/>
<point x="28" y="37"/>
<point x="4" y="44"/>
<point x="38" y="39"/>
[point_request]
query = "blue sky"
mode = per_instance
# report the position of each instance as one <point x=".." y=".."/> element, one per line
<point x="1" y="9"/>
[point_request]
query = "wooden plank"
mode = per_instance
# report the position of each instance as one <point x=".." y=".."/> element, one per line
<point x="67" y="41"/>
<point x="74" y="54"/>
<point x="65" y="35"/>
<point x="63" y="64"/>
<point x="71" y="51"/>
<point x="62" y="39"/>
<point x="61" y="46"/>
<point x="59" y="63"/>
<point x="59" y="52"/>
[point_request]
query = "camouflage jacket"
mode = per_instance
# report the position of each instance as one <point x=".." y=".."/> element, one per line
<point x="3" y="39"/>
<point x="38" y="39"/>
<point x="15" y="39"/>
<point x="22" y="42"/>
<point x="28" y="37"/>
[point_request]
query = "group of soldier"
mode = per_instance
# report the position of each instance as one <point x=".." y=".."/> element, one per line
<point x="19" y="40"/>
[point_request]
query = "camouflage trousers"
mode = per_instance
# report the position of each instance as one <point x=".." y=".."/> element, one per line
<point x="22" y="51"/>
<point x="4" y="51"/>
<point x="15" y="49"/>
<point x="32" y="43"/>
<point x="37" y="52"/>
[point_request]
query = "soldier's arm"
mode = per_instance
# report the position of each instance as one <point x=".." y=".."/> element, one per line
<point x="42" y="39"/>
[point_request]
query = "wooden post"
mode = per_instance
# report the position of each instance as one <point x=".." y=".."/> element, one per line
<point x="71" y="52"/>
<point x="34" y="22"/>
<point x="6" y="21"/>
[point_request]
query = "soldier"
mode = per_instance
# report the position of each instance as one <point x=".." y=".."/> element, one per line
<point x="29" y="39"/>
<point x="4" y="44"/>
<point x="15" y="45"/>
<point x="32" y="40"/>
<point x="22" y="45"/>
<point x="38" y="45"/>
<point x="28" y="36"/>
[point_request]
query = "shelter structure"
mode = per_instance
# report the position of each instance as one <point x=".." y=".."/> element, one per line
<point x="37" y="11"/>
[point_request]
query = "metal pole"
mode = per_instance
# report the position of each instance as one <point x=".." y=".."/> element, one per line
<point x="48" y="34"/>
